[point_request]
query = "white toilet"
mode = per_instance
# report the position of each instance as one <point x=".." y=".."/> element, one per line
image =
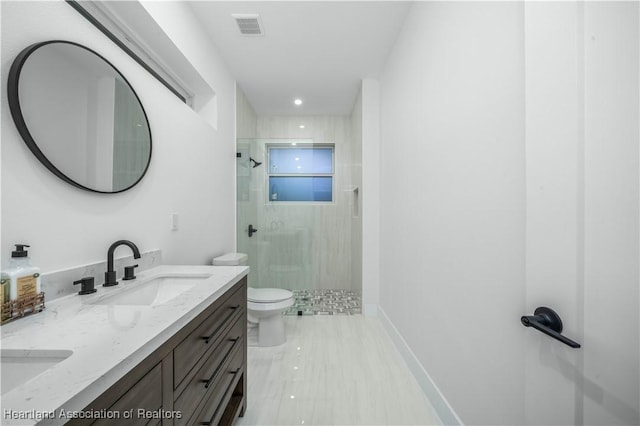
<point x="264" y="305"/>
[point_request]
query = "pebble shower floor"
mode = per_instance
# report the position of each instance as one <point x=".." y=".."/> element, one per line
<point x="325" y="302"/>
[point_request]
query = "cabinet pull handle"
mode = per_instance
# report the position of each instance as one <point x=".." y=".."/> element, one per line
<point x="226" y="394"/>
<point x="207" y="382"/>
<point x="208" y="338"/>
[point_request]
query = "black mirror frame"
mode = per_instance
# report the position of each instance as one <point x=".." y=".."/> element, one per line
<point x="16" y="113"/>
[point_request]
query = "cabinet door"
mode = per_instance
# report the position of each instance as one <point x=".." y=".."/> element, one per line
<point x="145" y="395"/>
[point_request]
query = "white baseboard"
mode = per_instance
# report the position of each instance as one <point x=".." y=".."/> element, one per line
<point x="441" y="406"/>
<point x="370" y="310"/>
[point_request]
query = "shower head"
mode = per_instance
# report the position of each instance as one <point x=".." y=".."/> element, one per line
<point x="255" y="163"/>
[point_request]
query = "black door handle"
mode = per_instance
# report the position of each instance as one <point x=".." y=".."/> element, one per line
<point x="546" y="320"/>
<point x="252" y="230"/>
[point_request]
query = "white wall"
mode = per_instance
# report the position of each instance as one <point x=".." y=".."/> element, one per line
<point x="191" y="171"/>
<point x="452" y="197"/>
<point x="181" y="25"/>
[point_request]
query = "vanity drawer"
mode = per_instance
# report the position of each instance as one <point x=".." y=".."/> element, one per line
<point x="207" y="335"/>
<point x="212" y="410"/>
<point x="213" y="369"/>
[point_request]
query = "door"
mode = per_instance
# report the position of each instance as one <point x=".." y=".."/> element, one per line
<point x="276" y="237"/>
<point x="582" y="195"/>
<point x="248" y="183"/>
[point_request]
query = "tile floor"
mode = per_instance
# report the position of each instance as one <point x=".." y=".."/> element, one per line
<point x="333" y="370"/>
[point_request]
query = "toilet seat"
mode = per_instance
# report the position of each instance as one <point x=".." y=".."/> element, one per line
<point x="268" y="299"/>
<point x="268" y="295"/>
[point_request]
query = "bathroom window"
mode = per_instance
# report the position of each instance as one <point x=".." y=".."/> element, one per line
<point x="300" y="173"/>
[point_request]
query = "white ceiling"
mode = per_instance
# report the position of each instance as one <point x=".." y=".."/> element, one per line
<point x="315" y="50"/>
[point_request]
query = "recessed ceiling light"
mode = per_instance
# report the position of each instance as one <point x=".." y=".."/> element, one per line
<point x="298" y="101"/>
<point x="302" y="126"/>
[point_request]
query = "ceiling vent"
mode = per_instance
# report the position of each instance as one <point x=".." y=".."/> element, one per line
<point x="249" y="24"/>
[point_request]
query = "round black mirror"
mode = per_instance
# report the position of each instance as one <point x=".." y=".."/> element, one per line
<point x="79" y="116"/>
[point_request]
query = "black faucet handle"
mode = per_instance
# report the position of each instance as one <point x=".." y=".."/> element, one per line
<point x="129" y="273"/>
<point x="86" y="285"/>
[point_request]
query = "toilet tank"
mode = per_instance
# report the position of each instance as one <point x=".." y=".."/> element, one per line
<point x="231" y="259"/>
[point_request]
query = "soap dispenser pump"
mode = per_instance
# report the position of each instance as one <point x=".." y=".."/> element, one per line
<point x="24" y="279"/>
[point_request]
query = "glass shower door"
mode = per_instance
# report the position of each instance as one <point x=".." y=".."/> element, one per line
<point x="279" y="245"/>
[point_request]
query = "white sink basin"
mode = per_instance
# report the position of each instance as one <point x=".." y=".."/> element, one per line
<point x="152" y="291"/>
<point x="21" y="365"/>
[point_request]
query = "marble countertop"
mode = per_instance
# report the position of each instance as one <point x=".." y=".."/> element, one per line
<point x="107" y="341"/>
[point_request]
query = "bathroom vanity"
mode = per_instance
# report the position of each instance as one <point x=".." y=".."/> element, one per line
<point x="196" y="377"/>
<point x="166" y="349"/>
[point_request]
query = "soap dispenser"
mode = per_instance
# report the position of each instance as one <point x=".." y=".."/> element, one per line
<point x="24" y="279"/>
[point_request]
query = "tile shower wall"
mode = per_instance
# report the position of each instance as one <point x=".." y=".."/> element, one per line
<point x="305" y="246"/>
<point x="246" y="118"/>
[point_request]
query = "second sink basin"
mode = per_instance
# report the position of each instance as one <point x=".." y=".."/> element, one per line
<point x="153" y="291"/>
<point x="21" y="365"/>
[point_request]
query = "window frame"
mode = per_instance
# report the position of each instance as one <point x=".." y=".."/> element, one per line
<point x="300" y="145"/>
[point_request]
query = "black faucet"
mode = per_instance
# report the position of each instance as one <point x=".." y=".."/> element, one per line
<point x="110" y="275"/>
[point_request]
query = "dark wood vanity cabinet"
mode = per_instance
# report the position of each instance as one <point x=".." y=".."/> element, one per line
<point x="197" y="377"/>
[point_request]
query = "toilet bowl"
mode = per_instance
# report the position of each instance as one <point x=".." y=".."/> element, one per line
<point x="264" y="305"/>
